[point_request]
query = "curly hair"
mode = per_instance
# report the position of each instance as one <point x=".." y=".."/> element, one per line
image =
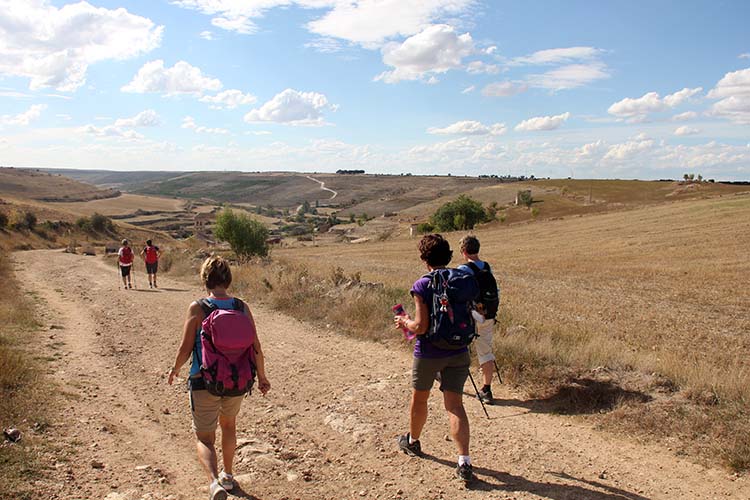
<point x="215" y="272"/>
<point x="469" y="244"/>
<point x="435" y="250"/>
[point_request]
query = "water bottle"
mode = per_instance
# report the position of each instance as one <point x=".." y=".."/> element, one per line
<point x="398" y="310"/>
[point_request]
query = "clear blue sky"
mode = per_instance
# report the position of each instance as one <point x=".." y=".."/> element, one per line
<point x="616" y="89"/>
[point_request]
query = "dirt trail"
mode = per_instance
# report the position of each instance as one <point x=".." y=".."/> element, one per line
<point x="326" y="430"/>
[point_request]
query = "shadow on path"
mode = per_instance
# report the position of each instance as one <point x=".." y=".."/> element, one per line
<point x="238" y="492"/>
<point x="555" y="491"/>
<point x="577" y="396"/>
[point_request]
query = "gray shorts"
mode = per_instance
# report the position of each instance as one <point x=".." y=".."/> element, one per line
<point x="453" y="370"/>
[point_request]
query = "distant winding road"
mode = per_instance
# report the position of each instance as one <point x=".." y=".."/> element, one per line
<point x="323" y="187"/>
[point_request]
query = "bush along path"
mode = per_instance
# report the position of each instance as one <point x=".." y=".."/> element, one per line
<point x="327" y="429"/>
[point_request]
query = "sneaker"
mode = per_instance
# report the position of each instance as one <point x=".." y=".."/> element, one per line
<point x="485" y="396"/>
<point x="465" y="473"/>
<point x="414" y="449"/>
<point x="216" y="492"/>
<point x="226" y="481"/>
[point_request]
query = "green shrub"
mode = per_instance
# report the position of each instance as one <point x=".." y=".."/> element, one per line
<point x="462" y="213"/>
<point x="525" y="198"/>
<point x="101" y="223"/>
<point x="425" y="228"/>
<point x="246" y="236"/>
<point x="21" y="219"/>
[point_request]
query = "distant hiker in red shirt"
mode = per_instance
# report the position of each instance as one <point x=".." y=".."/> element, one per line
<point x="151" y="254"/>
<point x="125" y="258"/>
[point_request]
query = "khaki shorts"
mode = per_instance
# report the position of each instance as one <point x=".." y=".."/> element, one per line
<point x="206" y="408"/>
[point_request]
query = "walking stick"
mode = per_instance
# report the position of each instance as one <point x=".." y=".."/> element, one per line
<point x="119" y="275"/>
<point x="477" y="392"/>
<point x="132" y="273"/>
<point x="497" y="370"/>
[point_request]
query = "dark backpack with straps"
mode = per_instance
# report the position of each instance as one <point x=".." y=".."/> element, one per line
<point x="488" y="293"/>
<point x="451" y="324"/>
<point x="227" y="349"/>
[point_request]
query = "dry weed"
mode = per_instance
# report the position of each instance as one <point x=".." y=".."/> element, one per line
<point x="23" y="394"/>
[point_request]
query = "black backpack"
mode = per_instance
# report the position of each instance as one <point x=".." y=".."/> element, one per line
<point x="488" y="293"/>
<point x="454" y="293"/>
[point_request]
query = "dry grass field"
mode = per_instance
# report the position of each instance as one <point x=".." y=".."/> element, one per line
<point x="123" y="204"/>
<point x="653" y="300"/>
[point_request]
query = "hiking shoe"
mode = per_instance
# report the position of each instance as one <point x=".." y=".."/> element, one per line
<point x="216" y="492"/>
<point x="465" y="473"/>
<point x="414" y="449"/>
<point x="485" y="396"/>
<point x="226" y="481"/>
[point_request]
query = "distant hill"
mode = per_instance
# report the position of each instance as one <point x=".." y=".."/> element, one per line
<point x="38" y="185"/>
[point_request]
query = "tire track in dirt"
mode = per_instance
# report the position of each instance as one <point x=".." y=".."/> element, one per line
<point x="325" y="431"/>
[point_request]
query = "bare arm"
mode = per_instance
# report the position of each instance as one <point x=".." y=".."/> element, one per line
<point x="421" y="319"/>
<point x="193" y="319"/>
<point x="260" y="363"/>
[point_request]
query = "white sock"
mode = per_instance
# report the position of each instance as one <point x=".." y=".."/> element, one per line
<point x="464" y="459"/>
<point x="411" y="439"/>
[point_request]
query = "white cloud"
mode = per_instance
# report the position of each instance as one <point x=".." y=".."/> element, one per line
<point x="53" y="47"/>
<point x="638" y="109"/>
<point x="146" y="118"/>
<point x="565" y="55"/>
<point x="681" y="96"/>
<point x="293" y="108"/>
<point x="229" y="99"/>
<point x="110" y="131"/>
<point x="469" y="89"/>
<point x="469" y="127"/>
<point x="686" y="116"/>
<point x="570" y="76"/>
<point x="206" y="35"/>
<point x="746" y="55"/>
<point x="504" y="89"/>
<point x="685" y="130"/>
<point x="479" y="67"/>
<point x="435" y="50"/>
<point x="189" y="123"/>
<point x="628" y="150"/>
<point x="734" y="91"/>
<point x="631" y="108"/>
<point x="182" y="78"/>
<point x="542" y="123"/>
<point x="25" y="118"/>
<point x="325" y="45"/>
<point x="590" y="150"/>
<point x="732" y="84"/>
<point x="366" y="22"/>
<point x="371" y="22"/>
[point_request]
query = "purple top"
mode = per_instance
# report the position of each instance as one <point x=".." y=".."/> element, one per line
<point x="422" y="347"/>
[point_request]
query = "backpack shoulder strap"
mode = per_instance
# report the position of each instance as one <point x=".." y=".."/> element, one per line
<point x="476" y="269"/>
<point x="207" y="306"/>
<point x="238" y="305"/>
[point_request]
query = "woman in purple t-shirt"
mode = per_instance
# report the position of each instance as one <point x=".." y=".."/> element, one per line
<point x="429" y="361"/>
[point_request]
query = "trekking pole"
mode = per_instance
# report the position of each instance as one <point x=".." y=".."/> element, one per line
<point x="119" y="275"/>
<point x="132" y="273"/>
<point x="477" y="392"/>
<point x="497" y="370"/>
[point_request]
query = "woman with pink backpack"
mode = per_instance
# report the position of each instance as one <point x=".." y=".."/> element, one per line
<point x="220" y="335"/>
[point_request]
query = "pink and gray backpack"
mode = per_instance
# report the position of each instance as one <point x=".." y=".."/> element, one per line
<point x="227" y="349"/>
